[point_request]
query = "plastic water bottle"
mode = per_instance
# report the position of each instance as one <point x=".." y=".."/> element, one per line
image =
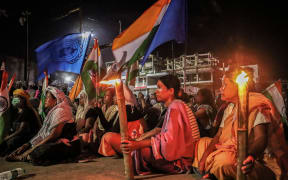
<point x="12" y="174"/>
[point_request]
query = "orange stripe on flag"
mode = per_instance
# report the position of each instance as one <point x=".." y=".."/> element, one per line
<point x="4" y="80"/>
<point x="279" y="86"/>
<point x="76" y="89"/>
<point x="11" y="81"/>
<point x="142" y="25"/>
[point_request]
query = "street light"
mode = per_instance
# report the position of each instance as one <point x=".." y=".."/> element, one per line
<point x="25" y="18"/>
<point x="68" y="79"/>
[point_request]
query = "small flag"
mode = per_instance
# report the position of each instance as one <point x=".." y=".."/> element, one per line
<point x="4" y="107"/>
<point x="93" y="71"/>
<point x="43" y="96"/>
<point x="132" y="73"/>
<point x="274" y="93"/>
<point x="62" y="54"/>
<point x="76" y="89"/>
<point x="11" y="81"/>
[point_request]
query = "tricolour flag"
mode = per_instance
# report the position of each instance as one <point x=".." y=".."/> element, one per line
<point x="162" y="22"/>
<point x="11" y="81"/>
<point x="76" y="89"/>
<point x="41" y="106"/>
<point x="274" y="93"/>
<point x="93" y="71"/>
<point x="62" y="54"/>
<point x="4" y="106"/>
<point x="132" y="73"/>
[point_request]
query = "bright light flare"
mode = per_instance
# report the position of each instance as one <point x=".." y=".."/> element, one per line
<point x="242" y="79"/>
<point x="111" y="82"/>
<point x="68" y="78"/>
<point x="85" y="35"/>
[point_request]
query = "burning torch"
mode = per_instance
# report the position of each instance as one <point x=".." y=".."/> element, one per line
<point x="114" y="78"/>
<point x="242" y="131"/>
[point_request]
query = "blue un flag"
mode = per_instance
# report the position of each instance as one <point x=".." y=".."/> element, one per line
<point x="62" y="54"/>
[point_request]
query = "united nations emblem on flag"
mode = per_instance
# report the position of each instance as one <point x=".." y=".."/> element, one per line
<point x="67" y="51"/>
<point x="3" y="104"/>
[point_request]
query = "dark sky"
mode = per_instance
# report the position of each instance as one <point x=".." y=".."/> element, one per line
<point x="254" y="32"/>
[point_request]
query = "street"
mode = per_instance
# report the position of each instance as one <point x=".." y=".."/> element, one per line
<point x="106" y="168"/>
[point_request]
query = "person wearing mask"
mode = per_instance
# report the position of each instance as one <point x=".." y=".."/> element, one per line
<point x="25" y="123"/>
<point x="54" y="141"/>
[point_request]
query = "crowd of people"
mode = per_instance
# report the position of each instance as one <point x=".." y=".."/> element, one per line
<point x="169" y="131"/>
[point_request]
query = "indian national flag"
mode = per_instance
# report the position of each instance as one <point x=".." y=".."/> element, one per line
<point x="274" y="93"/>
<point x="132" y="73"/>
<point x="41" y="107"/>
<point x="4" y="106"/>
<point x="162" y="22"/>
<point x="76" y="89"/>
<point x="93" y="71"/>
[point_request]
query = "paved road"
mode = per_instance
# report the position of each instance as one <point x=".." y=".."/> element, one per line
<point x="100" y="169"/>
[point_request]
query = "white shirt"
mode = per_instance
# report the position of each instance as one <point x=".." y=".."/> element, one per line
<point x="260" y="118"/>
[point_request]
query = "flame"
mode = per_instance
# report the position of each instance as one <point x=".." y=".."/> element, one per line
<point x="111" y="82"/>
<point x="242" y="79"/>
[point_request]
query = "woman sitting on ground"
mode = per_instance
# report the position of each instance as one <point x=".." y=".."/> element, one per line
<point x="136" y="125"/>
<point x="53" y="142"/>
<point x="81" y="110"/>
<point x="170" y="150"/>
<point x="25" y="124"/>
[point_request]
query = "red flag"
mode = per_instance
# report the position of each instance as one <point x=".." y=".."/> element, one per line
<point x="11" y="81"/>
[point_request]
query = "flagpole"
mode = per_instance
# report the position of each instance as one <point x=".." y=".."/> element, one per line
<point x="27" y="50"/>
<point x="26" y="75"/>
<point x="172" y="49"/>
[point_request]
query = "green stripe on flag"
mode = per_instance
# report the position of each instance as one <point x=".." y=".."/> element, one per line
<point x="4" y="124"/>
<point x="140" y="52"/>
<point x="42" y="112"/>
<point x="90" y="65"/>
<point x="267" y="95"/>
<point x="132" y="75"/>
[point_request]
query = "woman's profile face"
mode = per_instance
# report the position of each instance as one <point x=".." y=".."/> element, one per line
<point x="229" y="90"/>
<point x="162" y="92"/>
<point x="50" y="100"/>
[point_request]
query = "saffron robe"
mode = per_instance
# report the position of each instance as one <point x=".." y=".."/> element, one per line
<point x="222" y="161"/>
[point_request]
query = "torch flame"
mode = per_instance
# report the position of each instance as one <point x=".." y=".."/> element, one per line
<point x="242" y="79"/>
<point x="111" y="82"/>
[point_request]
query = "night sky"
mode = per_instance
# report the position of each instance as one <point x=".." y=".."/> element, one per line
<point x="254" y="32"/>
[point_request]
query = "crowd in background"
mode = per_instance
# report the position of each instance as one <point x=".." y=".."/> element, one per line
<point x="74" y="131"/>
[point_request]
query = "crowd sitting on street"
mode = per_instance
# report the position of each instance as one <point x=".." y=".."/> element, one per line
<point x="169" y="130"/>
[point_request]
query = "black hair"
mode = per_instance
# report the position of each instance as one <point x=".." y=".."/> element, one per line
<point x="171" y="81"/>
<point x="111" y="90"/>
<point x="51" y="94"/>
<point x="207" y="96"/>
